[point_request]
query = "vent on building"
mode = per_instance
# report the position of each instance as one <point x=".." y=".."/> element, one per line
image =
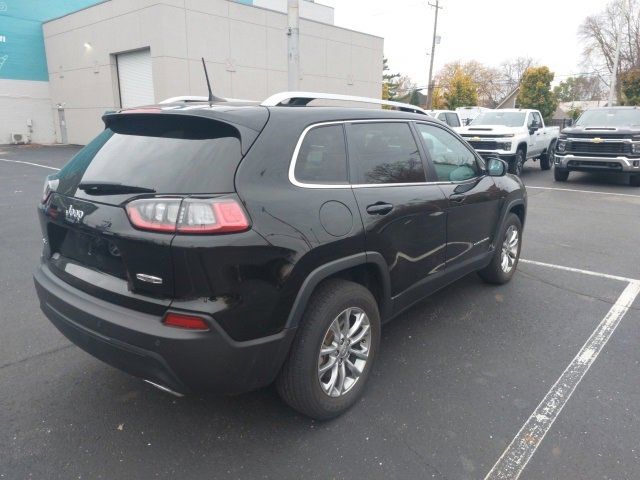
<point x="20" y="138"/>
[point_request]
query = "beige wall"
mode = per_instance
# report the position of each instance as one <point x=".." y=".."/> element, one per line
<point x="245" y="48"/>
<point x="24" y="101"/>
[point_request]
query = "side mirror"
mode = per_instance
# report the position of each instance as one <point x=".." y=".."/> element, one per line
<point x="496" y="167"/>
<point x="533" y="128"/>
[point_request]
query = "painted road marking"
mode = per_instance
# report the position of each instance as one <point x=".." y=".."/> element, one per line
<point x="29" y="163"/>
<point x="579" y="270"/>
<point x="583" y="191"/>
<point x="516" y="456"/>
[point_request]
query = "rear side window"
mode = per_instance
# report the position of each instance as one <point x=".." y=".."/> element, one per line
<point x="384" y="153"/>
<point x="322" y="158"/>
<point x="169" y="154"/>
<point x="452" y="120"/>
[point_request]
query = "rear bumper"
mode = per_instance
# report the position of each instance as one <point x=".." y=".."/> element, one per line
<point x="139" y="344"/>
<point x="603" y="164"/>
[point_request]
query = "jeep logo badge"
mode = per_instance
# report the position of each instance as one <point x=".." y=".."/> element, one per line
<point x="73" y="215"/>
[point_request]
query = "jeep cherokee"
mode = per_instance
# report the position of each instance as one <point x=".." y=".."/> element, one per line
<point x="223" y="246"/>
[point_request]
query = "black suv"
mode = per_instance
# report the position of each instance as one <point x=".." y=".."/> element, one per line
<point x="224" y="247"/>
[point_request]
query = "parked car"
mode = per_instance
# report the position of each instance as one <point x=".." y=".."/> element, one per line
<point x="602" y="140"/>
<point x="221" y="247"/>
<point x="467" y="114"/>
<point x="450" y="117"/>
<point x="515" y="135"/>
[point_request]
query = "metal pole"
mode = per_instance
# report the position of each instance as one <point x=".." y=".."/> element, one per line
<point x="433" y="51"/>
<point x="293" y="44"/>
<point x="616" y="58"/>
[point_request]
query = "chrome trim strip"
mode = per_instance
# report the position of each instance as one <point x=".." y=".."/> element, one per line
<point x="279" y="98"/>
<point x="602" y="140"/>
<point x="163" y="388"/>
<point x="624" y="160"/>
<point x="143" y="277"/>
<point x="294" y="159"/>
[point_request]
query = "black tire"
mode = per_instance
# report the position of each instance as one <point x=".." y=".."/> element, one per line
<point x="634" y="180"/>
<point x="515" y="165"/>
<point x="560" y="174"/>
<point x="494" y="273"/>
<point x="546" y="159"/>
<point x="298" y="383"/>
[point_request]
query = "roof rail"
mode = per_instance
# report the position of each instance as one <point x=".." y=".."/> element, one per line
<point x="195" y="98"/>
<point x="303" y="98"/>
<point x="184" y="98"/>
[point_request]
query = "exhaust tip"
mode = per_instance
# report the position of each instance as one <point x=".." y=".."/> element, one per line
<point x="163" y="388"/>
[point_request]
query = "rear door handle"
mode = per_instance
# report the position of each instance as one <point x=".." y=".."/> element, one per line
<point x="379" y="208"/>
<point x="457" y="198"/>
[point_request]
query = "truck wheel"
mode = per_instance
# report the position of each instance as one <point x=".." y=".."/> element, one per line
<point x="507" y="253"/>
<point x="560" y="174"/>
<point x="333" y="352"/>
<point x="515" y="166"/>
<point x="634" y="180"/>
<point x="546" y="159"/>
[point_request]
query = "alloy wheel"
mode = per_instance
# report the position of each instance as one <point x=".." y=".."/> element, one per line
<point x="344" y="352"/>
<point x="509" y="249"/>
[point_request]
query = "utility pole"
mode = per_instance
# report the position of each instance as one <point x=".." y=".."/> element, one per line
<point x="433" y="51"/>
<point x="293" y="44"/>
<point x="616" y="58"/>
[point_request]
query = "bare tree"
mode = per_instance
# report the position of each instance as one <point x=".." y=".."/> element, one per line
<point x="599" y="33"/>
<point x="513" y="70"/>
<point x="405" y="85"/>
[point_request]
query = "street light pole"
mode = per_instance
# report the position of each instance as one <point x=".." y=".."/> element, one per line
<point x="433" y="51"/>
<point x="293" y="45"/>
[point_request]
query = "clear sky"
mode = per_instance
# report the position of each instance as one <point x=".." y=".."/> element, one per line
<point x="489" y="31"/>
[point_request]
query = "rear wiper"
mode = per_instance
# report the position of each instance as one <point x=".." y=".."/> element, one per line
<point x="111" y="188"/>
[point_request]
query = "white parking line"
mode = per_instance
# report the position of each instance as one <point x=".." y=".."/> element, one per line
<point x="29" y="163"/>
<point x="584" y="191"/>
<point x="516" y="456"/>
<point x="579" y="270"/>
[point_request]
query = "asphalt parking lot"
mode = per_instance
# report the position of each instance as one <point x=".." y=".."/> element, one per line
<point x="476" y="379"/>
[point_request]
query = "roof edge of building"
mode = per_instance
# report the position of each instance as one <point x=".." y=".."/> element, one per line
<point x="76" y="11"/>
<point x="250" y="6"/>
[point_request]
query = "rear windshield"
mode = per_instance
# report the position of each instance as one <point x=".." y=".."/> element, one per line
<point x="179" y="154"/>
<point x="609" y="117"/>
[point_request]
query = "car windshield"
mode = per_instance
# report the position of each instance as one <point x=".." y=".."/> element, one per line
<point x="610" y="117"/>
<point x="508" y="119"/>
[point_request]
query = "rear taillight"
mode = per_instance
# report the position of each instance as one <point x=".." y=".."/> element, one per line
<point x="156" y="214"/>
<point x="188" y="322"/>
<point x="50" y="186"/>
<point x="189" y="215"/>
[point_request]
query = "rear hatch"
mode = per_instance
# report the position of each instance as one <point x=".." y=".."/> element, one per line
<point x="110" y="216"/>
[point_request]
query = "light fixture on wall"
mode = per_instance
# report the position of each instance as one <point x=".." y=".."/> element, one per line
<point x="87" y="46"/>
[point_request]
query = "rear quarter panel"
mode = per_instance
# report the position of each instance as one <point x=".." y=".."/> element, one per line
<point x="288" y="221"/>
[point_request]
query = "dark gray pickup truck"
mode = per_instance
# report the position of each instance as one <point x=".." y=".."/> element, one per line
<point x="602" y="139"/>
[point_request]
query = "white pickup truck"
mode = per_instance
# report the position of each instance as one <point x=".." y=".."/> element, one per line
<point x="515" y="135"/>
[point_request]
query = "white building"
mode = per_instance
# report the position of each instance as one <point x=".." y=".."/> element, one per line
<point x="122" y="53"/>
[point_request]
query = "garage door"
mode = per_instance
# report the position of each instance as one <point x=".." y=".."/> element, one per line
<point x="135" y="78"/>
